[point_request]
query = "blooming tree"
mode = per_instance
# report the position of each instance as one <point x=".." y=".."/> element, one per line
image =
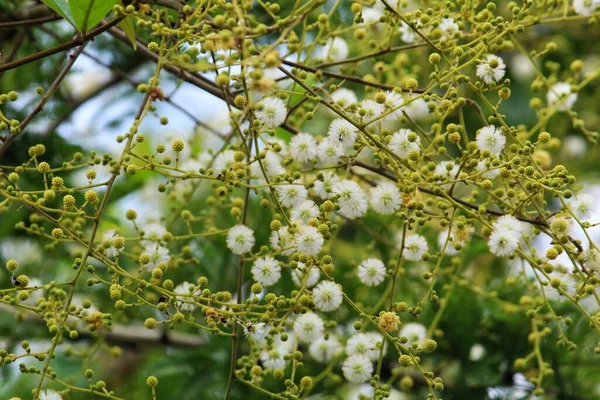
<point x="361" y="206"/>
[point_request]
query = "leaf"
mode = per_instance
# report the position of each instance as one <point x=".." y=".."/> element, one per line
<point x="61" y="7"/>
<point x="127" y="26"/>
<point x="95" y="10"/>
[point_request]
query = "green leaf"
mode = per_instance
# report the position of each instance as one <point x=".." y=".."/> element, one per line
<point x="127" y="26"/>
<point x="61" y="7"/>
<point x="87" y="13"/>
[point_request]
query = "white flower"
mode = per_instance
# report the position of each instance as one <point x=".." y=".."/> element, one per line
<point x="415" y="246"/>
<point x="487" y="171"/>
<point x="49" y="395"/>
<point x="152" y="232"/>
<point x="393" y="101"/>
<point x="308" y="327"/>
<point x="342" y="132"/>
<point x="282" y="240"/>
<point x="335" y="49"/>
<point x="582" y="206"/>
<point x="371" y="272"/>
<point x="108" y="239"/>
<point x="256" y="332"/>
<point x="560" y="225"/>
<point x="240" y="239"/>
<point x="559" y="285"/>
<point x="386" y="198"/>
<point x="508" y="223"/>
<point x="352" y="200"/>
<point x="344" y="97"/>
<point x="309" y="240"/>
<point x="292" y="195"/>
<point x="303" y="147"/>
<point x="271" y="164"/>
<point x="184" y="302"/>
<point x="371" y="108"/>
<point x="491" y="70"/>
<point x="448" y="28"/>
<point x="414" y="332"/>
<point x="298" y="275"/>
<point x="304" y="211"/>
<point x="503" y="242"/>
<point x="592" y="258"/>
<point x="363" y="345"/>
<point x="223" y="161"/>
<point x="477" y="352"/>
<point x="491" y="138"/>
<point x="273" y="112"/>
<point x="329" y="152"/>
<point x="441" y="170"/>
<point x="266" y="271"/>
<point x="158" y="254"/>
<point x="357" y="369"/>
<point x="324" y="188"/>
<point x="274" y="359"/>
<point x="444" y="236"/>
<point x="561" y="97"/>
<point x="401" y="145"/>
<point x="585" y="7"/>
<point x="406" y="33"/>
<point x="327" y="296"/>
<point x="323" y="350"/>
<point x="417" y="108"/>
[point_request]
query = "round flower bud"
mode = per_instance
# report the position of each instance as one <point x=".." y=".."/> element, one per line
<point x="178" y="317"/>
<point x="435" y="58"/>
<point x="22" y="281"/>
<point x="239" y="101"/>
<point x="131" y="169"/>
<point x="544" y="137"/>
<point x="153" y="47"/>
<point x="306" y="381"/>
<point x="152" y="381"/>
<point x="411" y="84"/>
<point x="150" y="323"/>
<point x="177" y="145"/>
<point x="57" y="233"/>
<point x="131" y="214"/>
<point x="91" y="197"/>
<point x="12" y="95"/>
<point x="430" y="345"/>
<point x="380" y="98"/>
<point x="256" y="288"/>
<point x="120" y="305"/>
<point x="90" y="175"/>
<point x="275" y="225"/>
<point x="13" y="177"/>
<point x="68" y="202"/>
<point x="12" y="265"/>
<point x="405" y="360"/>
<point x="44" y="167"/>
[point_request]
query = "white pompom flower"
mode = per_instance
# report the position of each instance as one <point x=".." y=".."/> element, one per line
<point x="585" y="7"/>
<point x="327" y="296"/>
<point x="299" y="276"/>
<point x="352" y="200"/>
<point x="393" y="105"/>
<point x="304" y="211"/>
<point x="309" y="240"/>
<point x="272" y="112"/>
<point x="323" y="350"/>
<point x="414" y="332"/>
<point x="184" y="301"/>
<point x="342" y="132"/>
<point x="415" y="246"/>
<point x="49" y="395"/>
<point x="240" y="239"/>
<point x="282" y="240"/>
<point x="274" y="359"/>
<point x="329" y="152"/>
<point x="364" y="345"/>
<point x="508" y="223"/>
<point x="561" y="97"/>
<point x="370" y="110"/>
<point x="583" y="205"/>
<point x="386" y="198"/>
<point x="448" y="28"/>
<point x="491" y="138"/>
<point x="292" y="194"/>
<point x="371" y="272"/>
<point x="335" y="49"/>
<point x="357" y="369"/>
<point x="344" y="97"/>
<point x="266" y="271"/>
<point x="303" y="147"/>
<point x="491" y="70"/>
<point x="308" y="327"/>
<point x="401" y="143"/>
<point x="503" y="242"/>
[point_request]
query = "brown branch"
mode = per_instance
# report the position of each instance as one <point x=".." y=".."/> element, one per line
<point x="349" y="78"/>
<point x="31" y="21"/>
<point x="72" y="58"/>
